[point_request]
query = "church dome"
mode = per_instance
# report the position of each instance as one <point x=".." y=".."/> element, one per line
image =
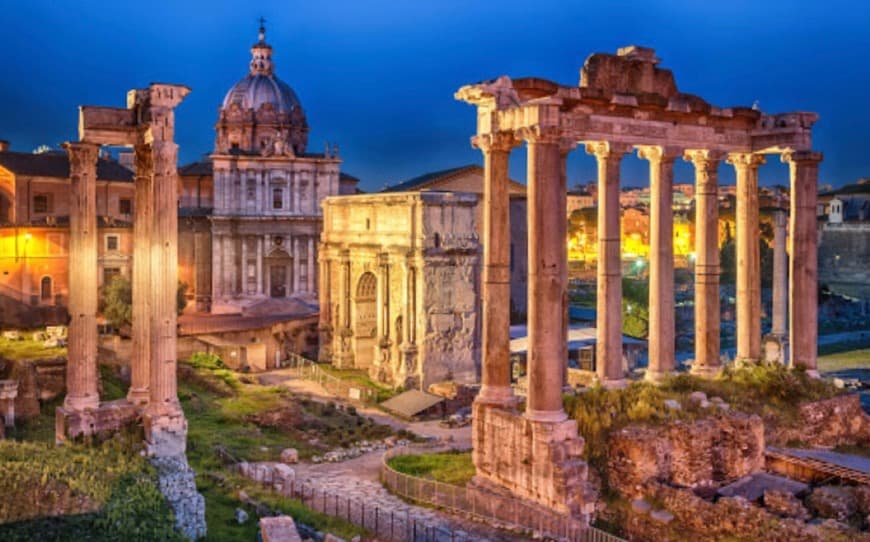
<point x="261" y="114"/>
<point x="254" y="90"/>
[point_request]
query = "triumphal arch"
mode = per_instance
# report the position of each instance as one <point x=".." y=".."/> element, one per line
<point x="624" y="102"/>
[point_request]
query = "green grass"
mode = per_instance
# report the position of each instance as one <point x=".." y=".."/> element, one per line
<point x="108" y="493"/>
<point x="451" y="467"/>
<point x="361" y="378"/>
<point x="852" y="359"/>
<point x="27" y="349"/>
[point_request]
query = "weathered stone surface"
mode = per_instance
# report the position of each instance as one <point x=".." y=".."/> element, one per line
<point x="661" y="516"/>
<point x="834" y="502"/>
<point x="714" y="449"/>
<point x="640" y="506"/>
<point x="785" y="504"/>
<point x="728" y="518"/>
<point x="99" y="422"/>
<point x="177" y="484"/>
<point x="241" y="516"/>
<point x="290" y="456"/>
<point x="279" y="529"/>
<point x="837" y="421"/>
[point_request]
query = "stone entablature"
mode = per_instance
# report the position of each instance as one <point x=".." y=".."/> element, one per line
<point x="399" y="297"/>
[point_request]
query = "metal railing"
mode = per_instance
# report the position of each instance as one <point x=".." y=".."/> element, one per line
<point x="488" y="507"/>
<point x="309" y="370"/>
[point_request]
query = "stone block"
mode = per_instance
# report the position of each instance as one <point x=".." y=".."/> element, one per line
<point x="661" y="516"/>
<point x="279" y="529"/>
<point x="673" y="404"/>
<point x="785" y="504"/>
<point x="698" y="396"/>
<point x="640" y="506"/>
<point x="99" y="422"/>
<point x="833" y="502"/>
<point x="290" y="456"/>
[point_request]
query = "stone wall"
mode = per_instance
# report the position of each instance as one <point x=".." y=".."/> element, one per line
<point x="38" y="380"/>
<point x="690" y="454"/>
<point x="728" y="519"/>
<point x="837" y="421"/>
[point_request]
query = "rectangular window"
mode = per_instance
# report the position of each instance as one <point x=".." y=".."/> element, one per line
<point x="277" y="198"/>
<point x="112" y="242"/>
<point x="125" y="206"/>
<point x="41" y="203"/>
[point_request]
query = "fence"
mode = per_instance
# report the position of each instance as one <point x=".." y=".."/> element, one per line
<point x="488" y="507"/>
<point x="306" y="369"/>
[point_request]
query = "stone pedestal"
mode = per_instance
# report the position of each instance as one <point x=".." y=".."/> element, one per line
<point x="165" y="433"/>
<point x="534" y="460"/>
<point x="99" y="422"/>
<point x="774" y="349"/>
<point x="8" y="393"/>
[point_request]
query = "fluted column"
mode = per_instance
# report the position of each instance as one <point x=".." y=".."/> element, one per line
<point x="296" y="266"/>
<point x="81" y="371"/>
<point x="780" y="275"/>
<point x="661" y="270"/>
<point x="243" y="269"/>
<point x="496" y="371"/>
<point x="608" y="347"/>
<point x="748" y="257"/>
<point x="259" y="265"/>
<point x="547" y="263"/>
<point x="140" y="363"/>
<point x="803" y="249"/>
<point x="707" y="310"/>
<point x="164" y="281"/>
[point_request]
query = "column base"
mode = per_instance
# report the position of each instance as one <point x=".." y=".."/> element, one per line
<point x="497" y="396"/>
<point x="102" y="421"/>
<point x="545" y="416"/>
<point x="81" y="404"/>
<point x="775" y="348"/>
<point x="138" y="396"/>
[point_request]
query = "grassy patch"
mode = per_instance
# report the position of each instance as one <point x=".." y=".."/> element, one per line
<point x="107" y="492"/>
<point x="851" y="359"/>
<point x="28" y="349"/>
<point x="451" y="467"/>
<point x="361" y="378"/>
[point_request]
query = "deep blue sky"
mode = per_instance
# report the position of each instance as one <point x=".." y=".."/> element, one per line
<point x="378" y="77"/>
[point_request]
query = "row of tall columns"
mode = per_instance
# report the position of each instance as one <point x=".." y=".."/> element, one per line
<point x="224" y="273"/>
<point x="232" y="196"/>
<point x="780" y="276"/>
<point x="82" y="374"/>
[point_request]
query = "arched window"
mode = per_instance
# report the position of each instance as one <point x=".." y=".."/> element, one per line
<point x="45" y="289"/>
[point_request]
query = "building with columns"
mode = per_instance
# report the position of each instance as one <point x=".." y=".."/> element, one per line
<point x="623" y="103"/>
<point x="266" y="193"/>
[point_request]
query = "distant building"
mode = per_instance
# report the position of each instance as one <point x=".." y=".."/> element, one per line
<point x="844" y="243"/>
<point x="34" y="227"/>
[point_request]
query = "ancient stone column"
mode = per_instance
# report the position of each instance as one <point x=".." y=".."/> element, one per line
<point x="496" y="289"/>
<point x="803" y="241"/>
<point x="780" y="275"/>
<point x="707" y="315"/>
<point x="164" y="281"/>
<point x="748" y="256"/>
<point x="81" y="371"/>
<point x="547" y="263"/>
<point x="296" y="266"/>
<point x="259" y="265"/>
<point x="661" y="270"/>
<point x="140" y="362"/>
<point x="608" y="347"/>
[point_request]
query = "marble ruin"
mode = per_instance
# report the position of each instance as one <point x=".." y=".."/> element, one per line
<point x="147" y="124"/>
<point x="399" y="275"/>
<point x="623" y="102"/>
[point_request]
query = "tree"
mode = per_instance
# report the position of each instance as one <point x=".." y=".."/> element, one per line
<point x="728" y="258"/>
<point x="117" y="301"/>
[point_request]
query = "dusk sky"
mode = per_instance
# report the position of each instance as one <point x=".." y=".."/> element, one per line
<point x="378" y="77"/>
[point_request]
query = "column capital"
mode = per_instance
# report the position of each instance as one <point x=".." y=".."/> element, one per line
<point x="606" y="149"/>
<point x="658" y="153"/>
<point x="496" y="141"/>
<point x="81" y="155"/>
<point x="542" y="135"/>
<point x="703" y="158"/>
<point x="745" y="159"/>
<point x="800" y="157"/>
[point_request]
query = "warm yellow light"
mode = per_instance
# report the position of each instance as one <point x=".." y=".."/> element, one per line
<point x="27" y="236"/>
